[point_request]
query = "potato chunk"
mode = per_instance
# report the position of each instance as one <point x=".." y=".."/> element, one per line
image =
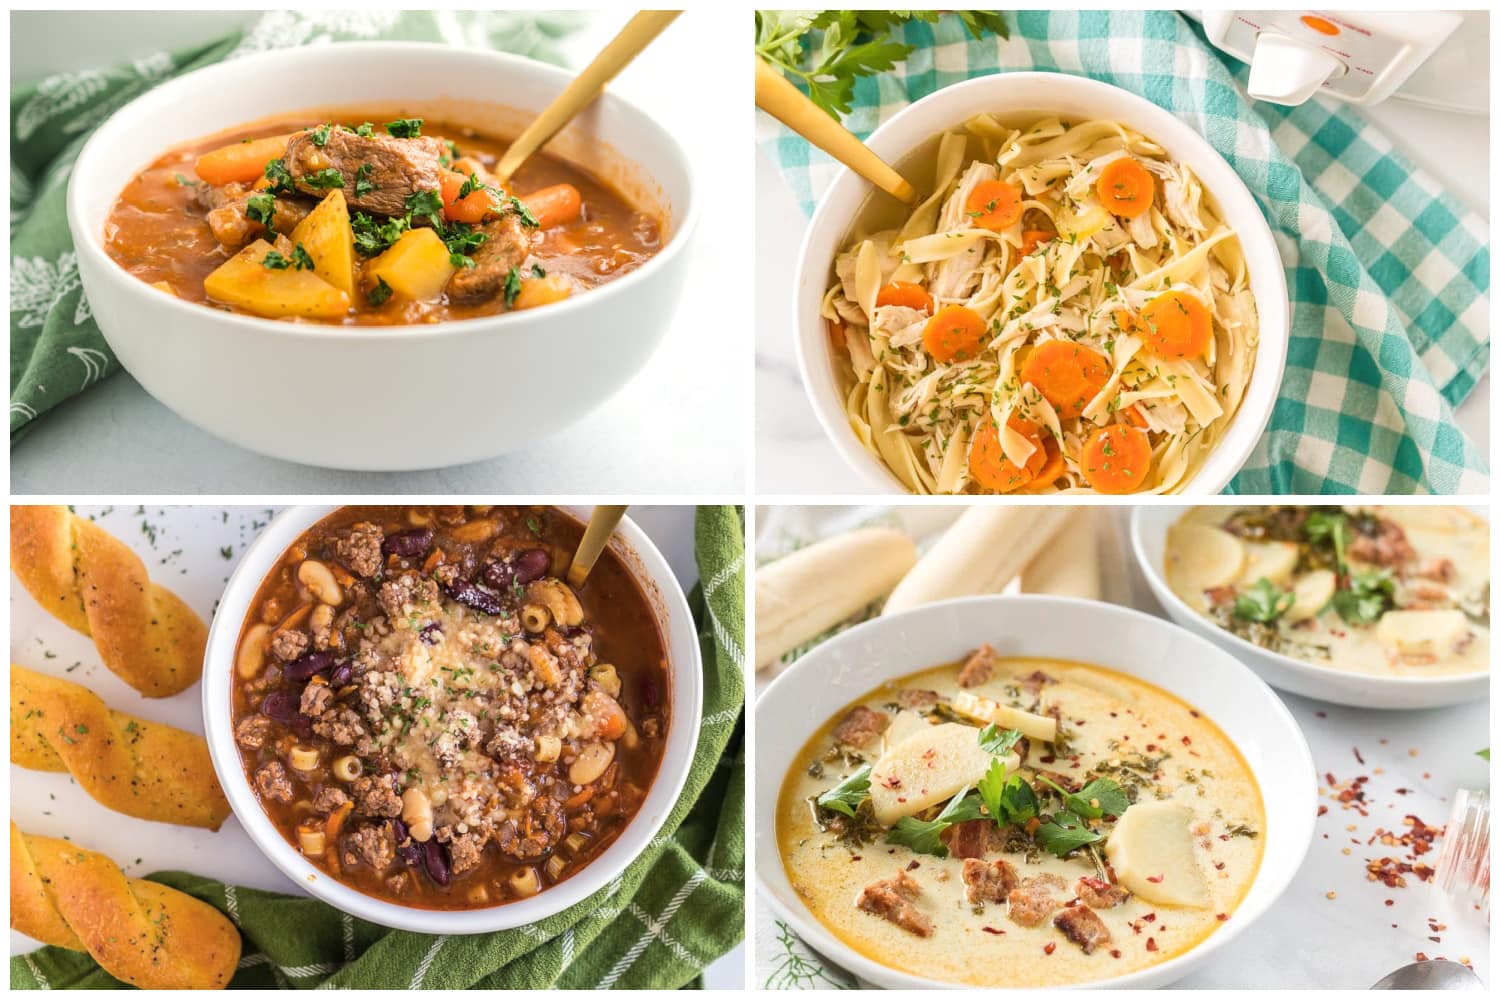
<point x="1151" y="851"/>
<point x="1201" y="557"/>
<point x="246" y="283"/>
<point x="1422" y="634"/>
<point x="927" y="768"/>
<point x="1312" y="592"/>
<point x="1038" y="727"/>
<point x="416" y="266"/>
<point x="326" y="236"/>
<point x="1274" y="561"/>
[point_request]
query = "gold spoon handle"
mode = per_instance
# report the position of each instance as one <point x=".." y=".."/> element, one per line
<point x="780" y="98"/>
<point x="638" y="33"/>
<point x="601" y="525"/>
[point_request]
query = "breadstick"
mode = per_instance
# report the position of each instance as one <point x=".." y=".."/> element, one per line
<point x="139" y="768"/>
<point x="93" y="583"/>
<point x="1069" y="566"/>
<point x="981" y="553"/>
<point x="142" y="933"/>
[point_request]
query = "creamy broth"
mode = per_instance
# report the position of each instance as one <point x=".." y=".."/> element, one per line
<point x="1160" y="751"/>
<point x="1410" y="598"/>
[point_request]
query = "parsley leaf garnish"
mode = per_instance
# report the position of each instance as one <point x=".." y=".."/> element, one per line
<point x="924" y="836"/>
<point x="1263" y="602"/>
<point x="846" y="796"/>
<point x="405" y="128"/>
<point x="325" y="179"/>
<point x="512" y="287"/>
<point x="261" y="207"/>
<point x="1369" y="595"/>
<point x="378" y="295"/>
<point x="320" y="135"/>
<point x="362" y="183"/>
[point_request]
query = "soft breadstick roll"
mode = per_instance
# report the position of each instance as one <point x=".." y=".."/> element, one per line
<point x="142" y="933"/>
<point x="1069" y="565"/>
<point x="802" y="595"/>
<point x="982" y="552"/>
<point x="93" y="583"/>
<point x="139" y="768"/>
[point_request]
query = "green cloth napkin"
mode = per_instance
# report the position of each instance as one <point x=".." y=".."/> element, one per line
<point x="657" y="926"/>
<point x="56" y="350"/>
<point x="1388" y="275"/>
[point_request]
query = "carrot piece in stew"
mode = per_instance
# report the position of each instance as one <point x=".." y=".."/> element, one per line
<point x="1033" y="238"/>
<point x="242" y="162"/>
<point x="994" y="204"/>
<point x="471" y="208"/>
<point x="1125" y="187"/>
<point x="1177" y="325"/>
<point x="1067" y="374"/>
<point x="905" y="293"/>
<point x="1116" y="459"/>
<point x="954" y="334"/>
<point x="555" y="206"/>
<point x="988" y="465"/>
<point x="1052" y="467"/>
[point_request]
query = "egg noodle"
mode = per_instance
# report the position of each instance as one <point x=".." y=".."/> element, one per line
<point x="1066" y="312"/>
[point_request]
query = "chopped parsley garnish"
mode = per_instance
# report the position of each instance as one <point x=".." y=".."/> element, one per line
<point x="366" y="130"/>
<point x="186" y="181"/>
<point x="1064" y="834"/>
<point x="527" y="219"/>
<point x="512" y="287"/>
<point x="320" y="135"/>
<point x="362" y="183"/>
<point x="300" y="260"/>
<point x="325" y="179"/>
<point x="261" y="207"/>
<point x="538" y="271"/>
<point x="1369" y="595"/>
<point x="924" y="836"/>
<point x="1263" y="602"/>
<point x="280" y="178"/>
<point x="405" y="128"/>
<point x="372" y="237"/>
<point x="428" y="203"/>
<point x="378" y="295"/>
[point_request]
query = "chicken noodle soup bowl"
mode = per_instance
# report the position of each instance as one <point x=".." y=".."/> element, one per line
<point x="1402" y="624"/>
<point x="1147" y="671"/>
<point x="1124" y="349"/>
<point x="454" y="750"/>
<point x="496" y="369"/>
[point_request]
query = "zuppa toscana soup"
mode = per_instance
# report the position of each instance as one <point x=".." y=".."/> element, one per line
<point x="1390" y="591"/>
<point x="343" y="218"/>
<point x="432" y="717"/>
<point x="1020" y="822"/>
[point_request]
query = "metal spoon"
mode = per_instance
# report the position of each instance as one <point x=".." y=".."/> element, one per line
<point x="1438" y="974"/>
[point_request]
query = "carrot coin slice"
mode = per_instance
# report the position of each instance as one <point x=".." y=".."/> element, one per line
<point x="1177" y="325"/>
<point x="994" y="205"/>
<point x="905" y="293"/>
<point x="954" y="334"/>
<point x="1125" y="187"/>
<point x="1116" y="459"/>
<point x="988" y="465"/>
<point x="1067" y="374"/>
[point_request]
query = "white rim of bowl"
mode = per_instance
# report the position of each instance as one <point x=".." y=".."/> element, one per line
<point x="1164" y="593"/>
<point x="219" y="732"/>
<point x="188" y="82"/>
<point x="873" y="469"/>
<point x="818" y="936"/>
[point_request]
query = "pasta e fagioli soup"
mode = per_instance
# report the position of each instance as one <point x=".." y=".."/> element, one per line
<point x="1067" y="311"/>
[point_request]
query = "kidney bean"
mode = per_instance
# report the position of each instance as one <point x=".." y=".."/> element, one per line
<point x="406" y="544"/>
<point x="435" y="862"/>
<point x="474" y="596"/>
<point x="305" y="668"/>
<point x="532" y="564"/>
<point x="281" y="705"/>
<point x="498" y="575"/>
<point x="431" y="633"/>
<point x="343" y="674"/>
<point x="407" y="850"/>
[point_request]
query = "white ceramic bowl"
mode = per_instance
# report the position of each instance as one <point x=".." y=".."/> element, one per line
<point x="855" y="662"/>
<point x="660" y="588"/>
<point x="1050" y="93"/>
<point x="429" y="396"/>
<point x="1148" y="540"/>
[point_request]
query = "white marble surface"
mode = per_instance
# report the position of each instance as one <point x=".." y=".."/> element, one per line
<point x="1306" y="940"/>
<point x="792" y="454"/>
<point x="677" y="428"/>
<point x="181" y="546"/>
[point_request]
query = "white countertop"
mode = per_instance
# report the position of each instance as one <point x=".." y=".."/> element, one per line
<point x="1306" y="940"/>
<point x="794" y="456"/>
<point x="182" y="551"/>
<point x="676" y="428"/>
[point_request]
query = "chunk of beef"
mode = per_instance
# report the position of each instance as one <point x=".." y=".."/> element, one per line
<point x="253" y="731"/>
<point x="341" y="725"/>
<point x="1382" y="543"/>
<point x="329" y="798"/>
<point x="398" y="168"/>
<point x="289" y="643"/>
<point x="1099" y="894"/>
<point x="376" y="795"/>
<point x="891" y="899"/>
<point x="916" y="698"/>
<point x="507" y="244"/>
<point x="970" y="839"/>
<point x="978" y="667"/>
<point x="316" y="699"/>
<point x="860" y="726"/>
<point x="990" y="882"/>
<point x="273" y="783"/>
<point x="360" y="549"/>
<point x="1083" y="927"/>
<point x="373" y="844"/>
<point x="397" y="596"/>
<point x="1032" y="902"/>
<point x="228" y="214"/>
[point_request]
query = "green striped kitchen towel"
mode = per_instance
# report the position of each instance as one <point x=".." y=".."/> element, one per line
<point x="1388" y="275"/>
<point x="56" y="350"/>
<point x="676" y="909"/>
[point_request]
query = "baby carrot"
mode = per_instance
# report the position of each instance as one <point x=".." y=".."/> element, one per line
<point x="555" y="205"/>
<point x="242" y="162"/>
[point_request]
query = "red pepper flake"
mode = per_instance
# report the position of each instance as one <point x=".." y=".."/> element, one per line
<point x="1218" y="866"/>
<point x="892" y="782"/>
<point x="1114" y="953"/>
<point x="1434" y="939"/>
<point x="914" y="866"/>
<point x="1390" y="902"/>
<point x="1149" y="917"/>
<point x="856" y="857"/>
<point x="1358" y="757"/>
<point x="1187" y="741"/>
<point x="991" y="930"/>
<point x="1322" y="810"/>
<point x="1422" y="956"/>
<point x="1222" y="917"/>
<point x="1194" y="713"/>
<point x="1049" y="947"/>
<point x="1155" y="879"/>
<point x="1322" y="715"/>
<point x="1049" y="759"/>
<point x="1151" y="944"/>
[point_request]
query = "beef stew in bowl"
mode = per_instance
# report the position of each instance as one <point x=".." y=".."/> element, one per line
<point x="332" y="218"/>
<point x="431" y="717"/>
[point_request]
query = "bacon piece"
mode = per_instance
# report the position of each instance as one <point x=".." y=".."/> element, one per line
<point x="860" y="726"/>
<point x="977" y="669"/>
<point x="1083" y="927"/>
<point x="1100" y="894"/>
<point x="989" y="882"/>
<point x="890" y="899"/>
<point x="970" y="839"/>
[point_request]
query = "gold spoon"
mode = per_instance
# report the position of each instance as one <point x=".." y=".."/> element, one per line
<point x="779" y="98"/>
<point x="638" y="33"/>
<point x="601" y="525"/>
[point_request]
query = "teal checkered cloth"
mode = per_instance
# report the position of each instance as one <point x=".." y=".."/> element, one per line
<point x="1388" y="275"/>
